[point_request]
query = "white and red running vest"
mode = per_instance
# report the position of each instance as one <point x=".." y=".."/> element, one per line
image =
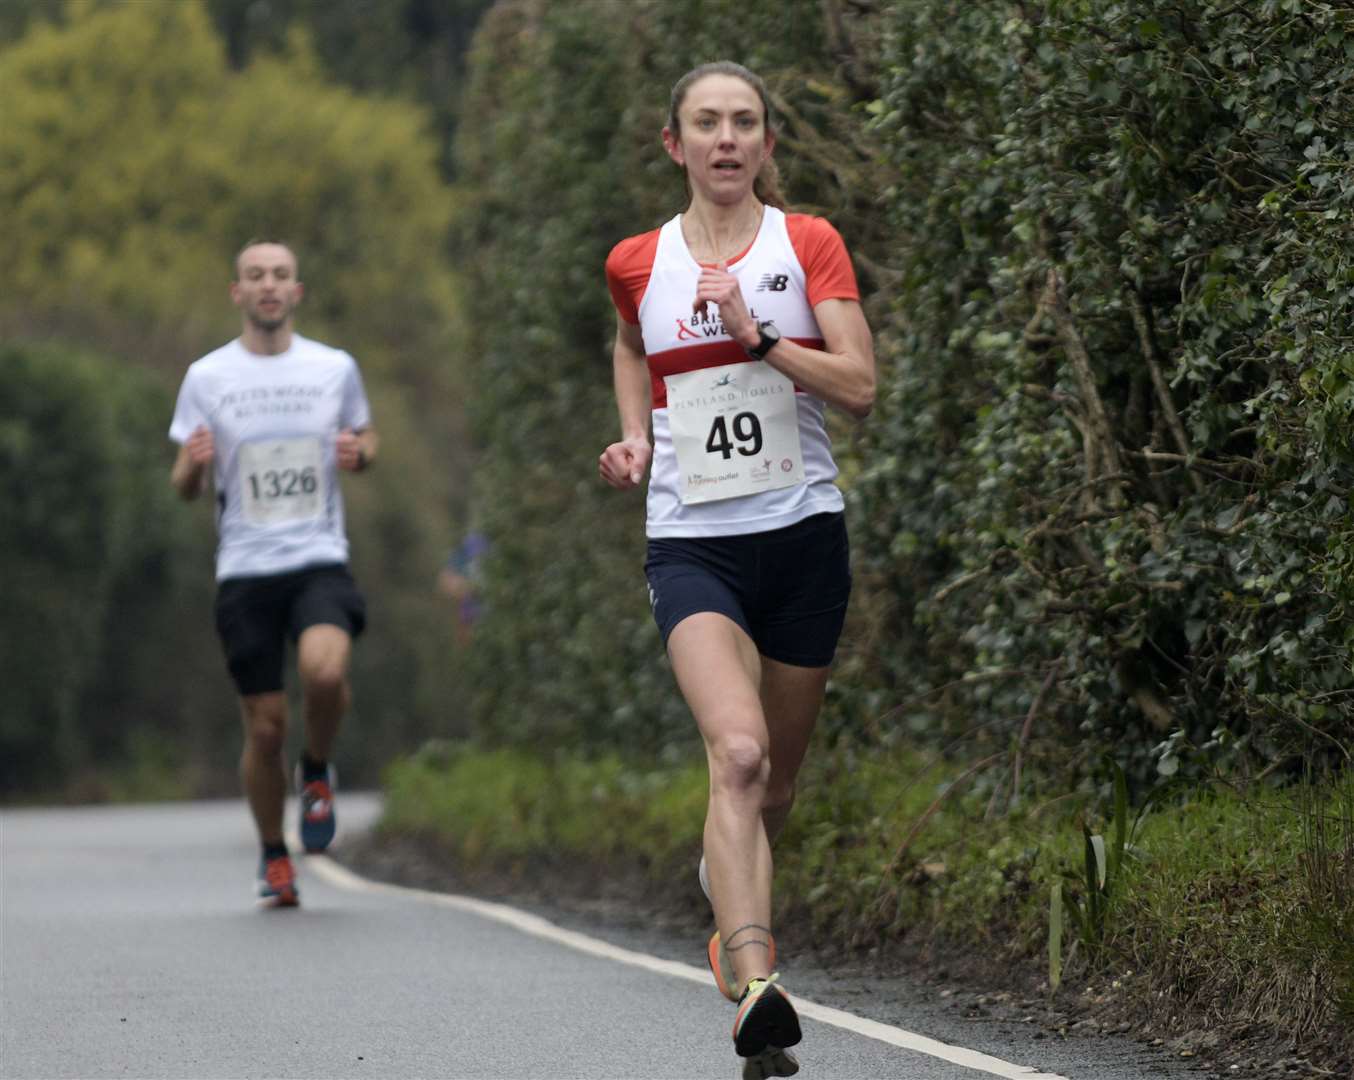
<point x="795" y="262"/>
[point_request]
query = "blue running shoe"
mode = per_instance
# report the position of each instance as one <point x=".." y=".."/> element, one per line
<point x="317" y="810"/>
<point x="277" y="882"/>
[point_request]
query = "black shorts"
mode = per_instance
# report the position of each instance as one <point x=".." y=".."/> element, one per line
<point x="255" y="616"/>
<point x="787" y="588"/>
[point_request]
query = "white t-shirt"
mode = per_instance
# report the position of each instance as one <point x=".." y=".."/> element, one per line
<point x="274" y="420"/>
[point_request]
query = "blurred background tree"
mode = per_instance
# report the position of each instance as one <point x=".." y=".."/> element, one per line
<point x="89" y="536"/>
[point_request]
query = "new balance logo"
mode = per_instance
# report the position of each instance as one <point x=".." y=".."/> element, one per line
<point x="773" y="283"/>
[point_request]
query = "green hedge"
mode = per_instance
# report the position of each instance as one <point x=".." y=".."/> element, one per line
<point x="1110" y="469"/>
<point x="1103" y="498"/>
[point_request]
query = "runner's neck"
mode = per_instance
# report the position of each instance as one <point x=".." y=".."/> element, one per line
<point x="717" y="234"/>
<point x="262" y="342"/>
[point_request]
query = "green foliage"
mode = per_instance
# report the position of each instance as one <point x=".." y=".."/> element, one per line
<point x="416" y="48"/>
<point x="1106" y="451"/>
<point x="89" y="523"/>
<point x="1233" y="884"/>
<point x="1221" y="885"/>
<point x="1102" y="493"/>
<point x="1089" y="909"/>
<point x="136" y="163"/>
<point x="16" y="15"/>
<point x="1103" y="500"/>
<point x="501" y="806"/>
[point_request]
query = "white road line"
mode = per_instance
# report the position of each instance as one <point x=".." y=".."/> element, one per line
<point x="534" y="925"/>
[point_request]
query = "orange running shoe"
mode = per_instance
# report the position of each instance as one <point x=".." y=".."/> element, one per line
<point x="277" y="883"/>
<point x="722" y="968"/>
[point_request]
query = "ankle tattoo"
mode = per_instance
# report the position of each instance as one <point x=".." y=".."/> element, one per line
<point x="765" y="943"/>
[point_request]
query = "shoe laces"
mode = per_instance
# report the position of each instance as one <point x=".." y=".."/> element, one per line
<point x="317" y="796"/>
<point x="278" y="873"/>
<point x="757" y="984"/>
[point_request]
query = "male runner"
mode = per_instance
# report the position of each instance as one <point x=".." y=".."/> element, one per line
<point x="273" y="416"/>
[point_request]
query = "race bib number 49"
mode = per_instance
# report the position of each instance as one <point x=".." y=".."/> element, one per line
<point x="281" y="480"/>
<point x="735" y="430"/>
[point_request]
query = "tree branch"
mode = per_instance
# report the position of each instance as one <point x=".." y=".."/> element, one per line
<point x="1101" y="448"/>
<point x="1147" y="342"/>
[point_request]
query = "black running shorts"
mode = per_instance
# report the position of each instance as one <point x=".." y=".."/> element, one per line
<point x="786" y="588"/>
<point x="255" y="616"/>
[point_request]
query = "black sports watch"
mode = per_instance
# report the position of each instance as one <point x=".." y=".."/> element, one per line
<point x="769" y="336"/>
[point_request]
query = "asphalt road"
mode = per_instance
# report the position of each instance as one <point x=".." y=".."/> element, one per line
<point x="130" y="946"/>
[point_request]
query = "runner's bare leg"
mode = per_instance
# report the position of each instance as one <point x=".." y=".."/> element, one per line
<point x="263" y="765"/>
<point x="719" y="674"/>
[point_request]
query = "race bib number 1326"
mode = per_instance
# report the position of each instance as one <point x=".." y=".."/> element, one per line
<point x="281" y="480"/>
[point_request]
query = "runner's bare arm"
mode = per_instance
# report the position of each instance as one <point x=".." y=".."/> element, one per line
<point x="623" y="463"/>
<point x="843" y="373"/>
<point x="189" y="473"/>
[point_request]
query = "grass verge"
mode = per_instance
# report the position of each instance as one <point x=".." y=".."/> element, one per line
<point x="888" y="850"/>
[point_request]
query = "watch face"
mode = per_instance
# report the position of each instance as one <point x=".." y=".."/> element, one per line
<point x="769" y="335"/>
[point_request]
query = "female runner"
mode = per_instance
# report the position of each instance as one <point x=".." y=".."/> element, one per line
<point x="736" y="322"/>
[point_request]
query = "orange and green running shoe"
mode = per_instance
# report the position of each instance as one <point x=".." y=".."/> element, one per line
<point x="721" y="967"/>
<point x="766" y="1023"/>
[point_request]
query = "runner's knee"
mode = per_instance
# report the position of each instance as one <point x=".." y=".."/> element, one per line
<point x="322" y="660"/>
<point x="265" y="735"/>
<point x="324" y="677"/>
<point x="265" y="723"/>
<point x="739" y="762"/>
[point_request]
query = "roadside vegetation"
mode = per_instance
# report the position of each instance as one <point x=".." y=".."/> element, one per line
<point x="1232" y="918"/>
